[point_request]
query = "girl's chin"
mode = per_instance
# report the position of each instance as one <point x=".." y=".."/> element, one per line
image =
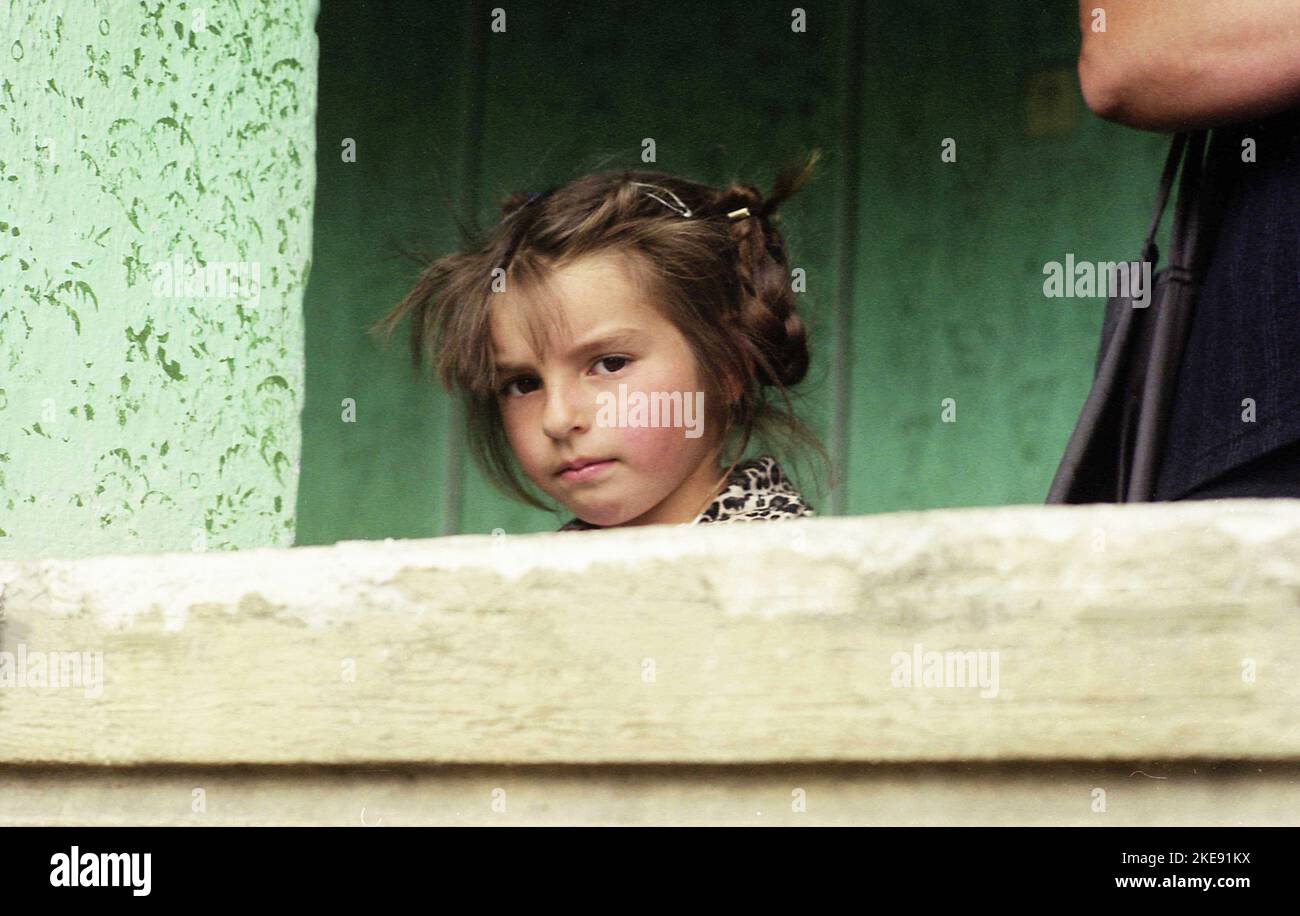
<point x="605" y="519"/>
<point x="604" y="514"/>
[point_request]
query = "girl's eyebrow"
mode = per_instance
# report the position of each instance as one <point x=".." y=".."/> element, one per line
<point x="605" y="339"/>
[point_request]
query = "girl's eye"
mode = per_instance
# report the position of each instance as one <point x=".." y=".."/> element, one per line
<point x="522" y="380"/>
<point x="621" y="360"/>
<point x="517" y="380"/>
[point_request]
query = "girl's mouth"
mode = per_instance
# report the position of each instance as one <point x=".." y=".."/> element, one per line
<point x="587" y="471"/>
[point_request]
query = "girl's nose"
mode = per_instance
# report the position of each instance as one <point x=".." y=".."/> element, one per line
<point x="566" y="411"/>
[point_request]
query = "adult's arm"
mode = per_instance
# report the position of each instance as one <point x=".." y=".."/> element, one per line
<point x="1177" y="64"/>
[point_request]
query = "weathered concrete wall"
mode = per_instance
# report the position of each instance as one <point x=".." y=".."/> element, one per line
<point x="414" y="676"/>
<point x="157" y="170"/>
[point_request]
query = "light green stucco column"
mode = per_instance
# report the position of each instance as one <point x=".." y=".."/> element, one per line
<point x="157" y="173"/>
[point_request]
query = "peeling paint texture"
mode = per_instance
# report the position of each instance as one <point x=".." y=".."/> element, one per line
<point x="157" y="173"/>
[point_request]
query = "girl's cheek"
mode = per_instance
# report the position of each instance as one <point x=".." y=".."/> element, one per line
<point x="652" y="448"/>
<point x="520" y="443"/>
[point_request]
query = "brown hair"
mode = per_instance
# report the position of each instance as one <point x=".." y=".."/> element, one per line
<point x="723" y="282"/>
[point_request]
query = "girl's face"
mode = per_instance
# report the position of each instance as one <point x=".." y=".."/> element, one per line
<point x="564" y="404"/>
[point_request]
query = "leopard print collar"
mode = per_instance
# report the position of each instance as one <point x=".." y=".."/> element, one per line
<point x="756" y="490"/>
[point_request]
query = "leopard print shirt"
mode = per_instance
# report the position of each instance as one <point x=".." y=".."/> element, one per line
<point x="756" y="490"/>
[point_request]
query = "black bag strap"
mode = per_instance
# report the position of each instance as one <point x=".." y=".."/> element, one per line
<point x="1187" y="149"/>
<point x="1150" y="252"/>
<point x="1168" y="326"/>
<point x="1190" y="210"/>
<point x="1110" y="455"/>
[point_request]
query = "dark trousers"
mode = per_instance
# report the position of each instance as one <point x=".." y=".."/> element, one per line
<point x="1275" y="473"/>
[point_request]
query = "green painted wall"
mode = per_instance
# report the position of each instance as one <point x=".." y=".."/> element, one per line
<point x="139" y="413"/>
<point x="925" y="277"/>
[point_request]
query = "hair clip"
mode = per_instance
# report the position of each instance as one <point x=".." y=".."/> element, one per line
<point x="680" y="208"/>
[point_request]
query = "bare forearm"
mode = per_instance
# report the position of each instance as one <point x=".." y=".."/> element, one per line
<point x="1177" y="64"/>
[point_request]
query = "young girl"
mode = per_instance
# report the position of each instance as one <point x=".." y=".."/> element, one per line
<point x="615" y="339"/>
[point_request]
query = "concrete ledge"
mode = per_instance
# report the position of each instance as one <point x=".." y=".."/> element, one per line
<point x="1066" y="793"/>
<point x="1122" y="633"/>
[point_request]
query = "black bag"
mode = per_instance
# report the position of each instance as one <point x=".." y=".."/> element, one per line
<point x="1115" y="452"/>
